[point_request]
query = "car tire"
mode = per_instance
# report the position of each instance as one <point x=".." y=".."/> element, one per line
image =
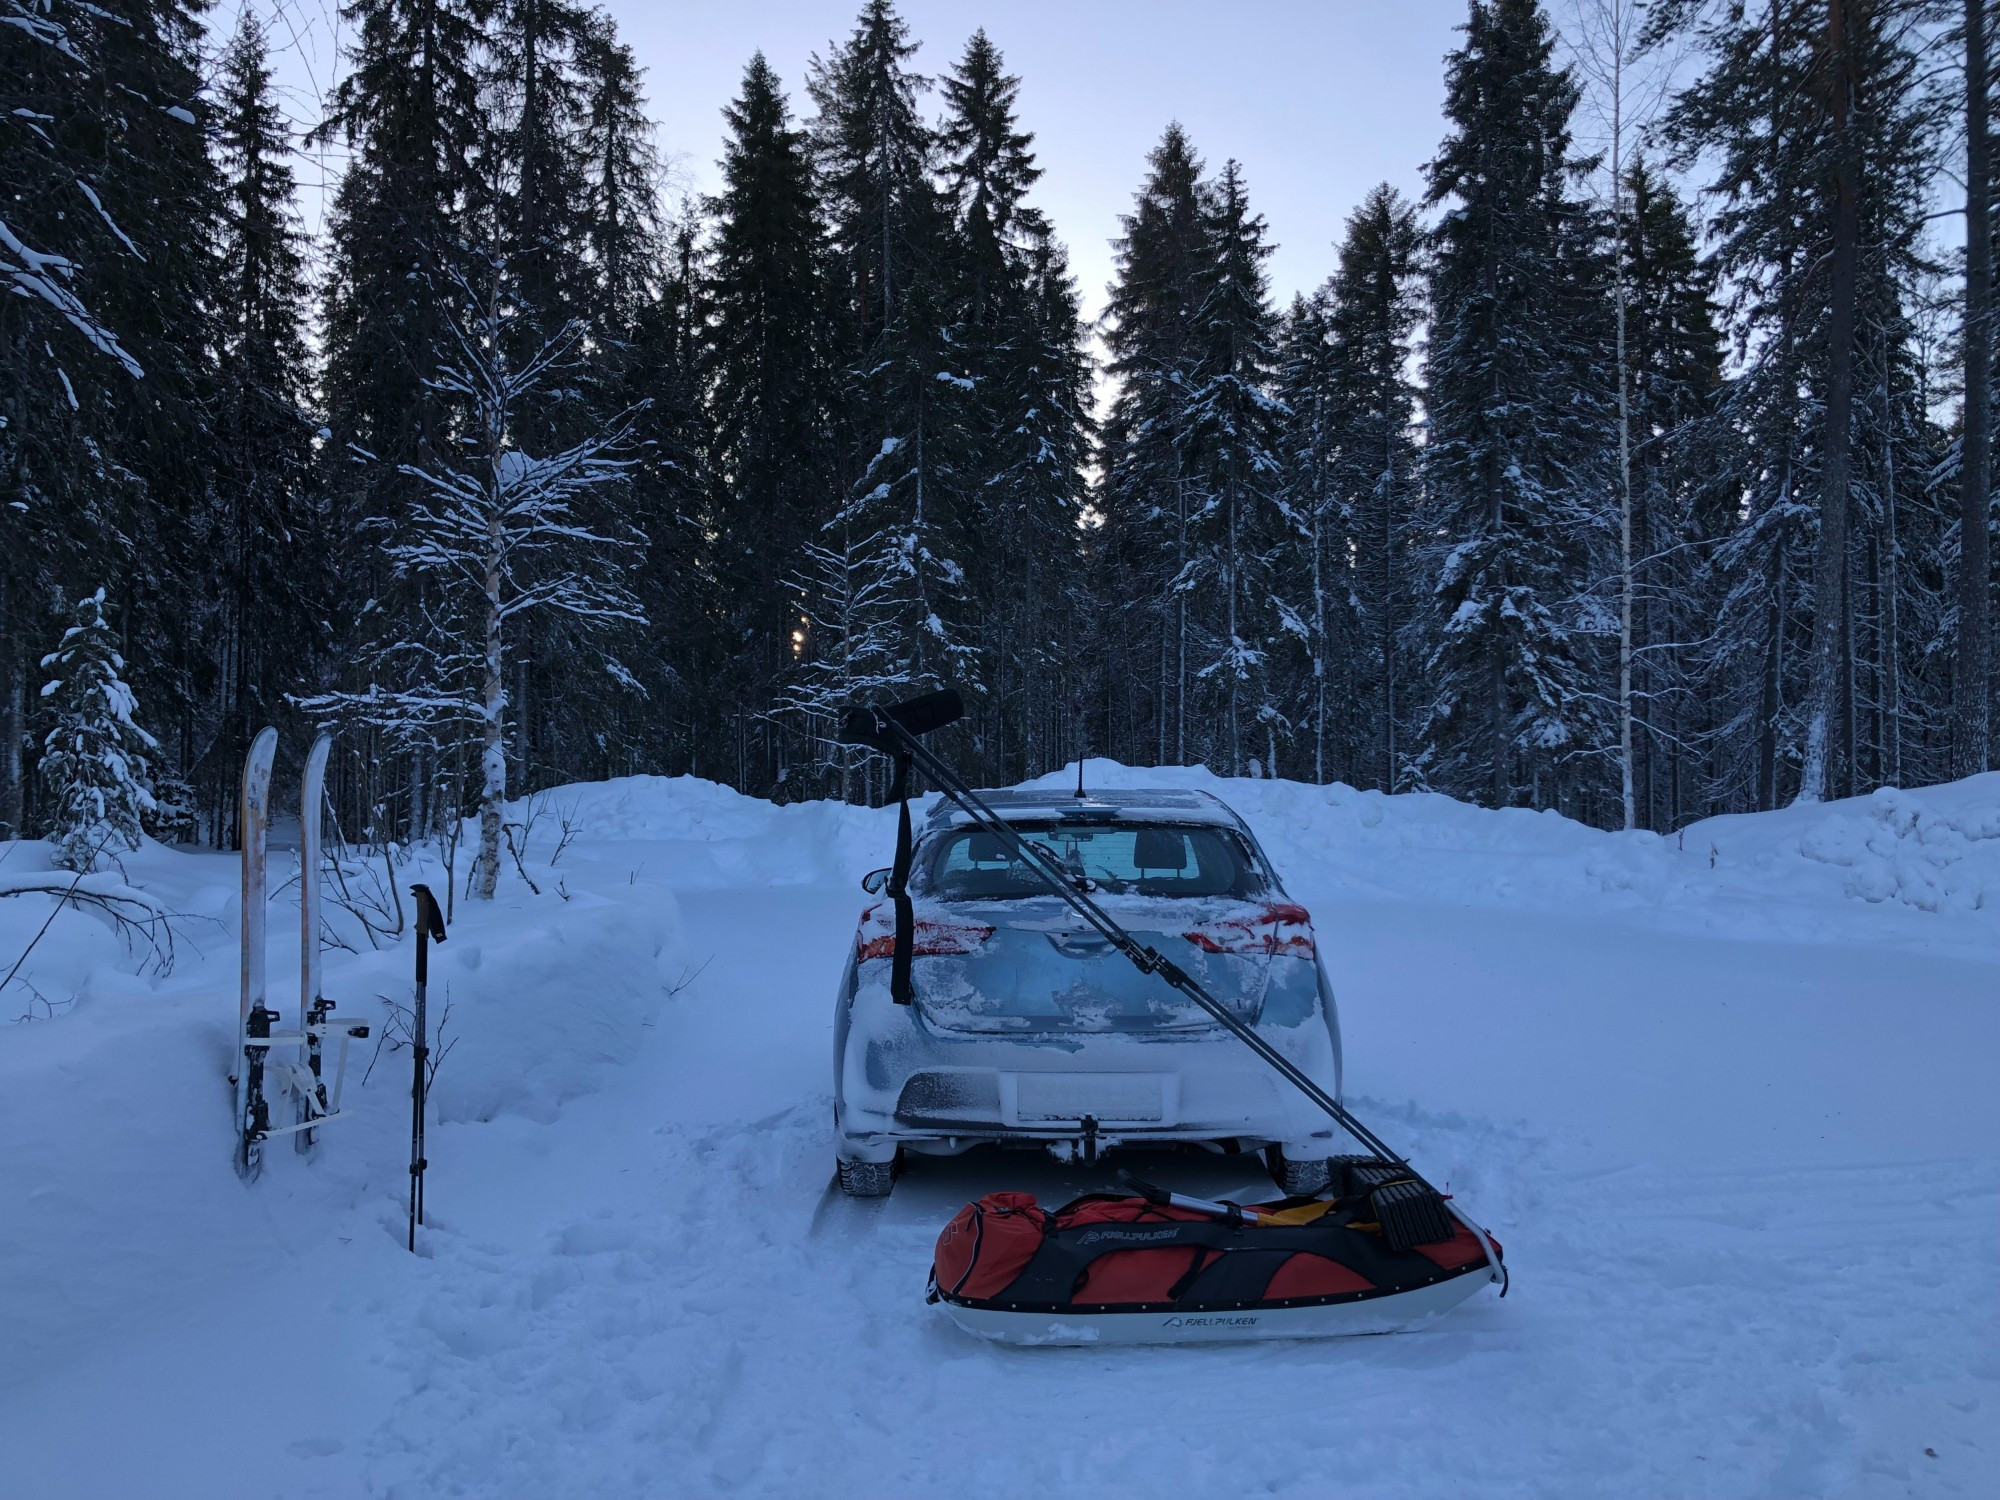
<point x="1301" y="1178"/>
<point x="867" y="1179"/>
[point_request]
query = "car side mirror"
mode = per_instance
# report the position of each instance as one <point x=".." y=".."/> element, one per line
<point x="875" y="882"/>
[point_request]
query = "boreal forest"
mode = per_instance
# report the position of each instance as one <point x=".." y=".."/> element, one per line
<point x="1641" y="474"/>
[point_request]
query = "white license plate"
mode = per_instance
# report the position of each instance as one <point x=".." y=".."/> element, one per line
<point x="1111" y="1097"/>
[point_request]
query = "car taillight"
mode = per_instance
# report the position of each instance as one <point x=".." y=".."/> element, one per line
<point x="1281" y="928"/>
<point x="929" y="938"/>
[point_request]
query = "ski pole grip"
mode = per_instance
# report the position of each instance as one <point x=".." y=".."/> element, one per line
<point x="429" y="916"/>
<point x="887" y="726"/>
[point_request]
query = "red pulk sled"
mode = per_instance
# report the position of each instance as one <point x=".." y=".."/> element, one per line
<point x="1389" y="1252"/>
<point x="1159" y="1268"/>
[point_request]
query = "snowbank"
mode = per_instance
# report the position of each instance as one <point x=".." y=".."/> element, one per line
<point x="1801" y="873"/>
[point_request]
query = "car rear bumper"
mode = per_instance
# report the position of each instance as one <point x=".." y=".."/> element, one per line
<point x="963" y="1093"/>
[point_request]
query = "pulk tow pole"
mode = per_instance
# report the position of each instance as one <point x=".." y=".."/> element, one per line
<point x="430" y="924"/>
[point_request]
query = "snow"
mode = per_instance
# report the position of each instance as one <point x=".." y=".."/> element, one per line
<point x="1726" y="1099"/>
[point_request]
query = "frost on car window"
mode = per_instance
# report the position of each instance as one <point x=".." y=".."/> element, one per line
<point x="1140" y="859"/>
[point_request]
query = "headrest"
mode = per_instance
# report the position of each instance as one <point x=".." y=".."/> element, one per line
<point x="984" y="848"/>
<point x="1159" y="849"/>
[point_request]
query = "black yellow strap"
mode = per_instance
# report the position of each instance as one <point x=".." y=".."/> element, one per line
<point x="898" y="889"/>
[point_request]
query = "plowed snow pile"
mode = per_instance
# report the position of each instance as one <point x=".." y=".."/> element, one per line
<point x="1727" y="1097"/>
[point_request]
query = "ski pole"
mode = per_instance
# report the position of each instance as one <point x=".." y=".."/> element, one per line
<point x="430" y="924"/>
<point x="1160" y="1197"/>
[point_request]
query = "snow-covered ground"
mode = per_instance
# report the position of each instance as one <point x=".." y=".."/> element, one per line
<point x="1729" y="1100"/>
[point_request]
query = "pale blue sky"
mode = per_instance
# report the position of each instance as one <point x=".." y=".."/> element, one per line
<point x="1319" y="99"/>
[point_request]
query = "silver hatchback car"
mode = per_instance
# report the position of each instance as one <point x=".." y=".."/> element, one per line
<point x="1026" y="1027"/>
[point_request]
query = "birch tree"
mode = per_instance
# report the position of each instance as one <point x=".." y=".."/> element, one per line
<point x="1974" y="705"/>
<point x="1624" y="85"/>
<point x="500" y="536"/>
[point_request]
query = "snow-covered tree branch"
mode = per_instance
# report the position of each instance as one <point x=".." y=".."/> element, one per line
<point x="498" y="535"/>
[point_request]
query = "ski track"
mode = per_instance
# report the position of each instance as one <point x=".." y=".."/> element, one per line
<point x="607" y="1341"/>
<point x="635" y="1282"/>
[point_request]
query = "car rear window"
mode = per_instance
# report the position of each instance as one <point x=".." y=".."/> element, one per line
<point x="1123" y="858"/>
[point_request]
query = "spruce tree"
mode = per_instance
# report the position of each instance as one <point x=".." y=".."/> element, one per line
<point x="266" y="548"/>
<point x="988" y="168"/>
<point x="1227" y="427"/>
<point x="1761" y="113"/>
<point x="1517" y="395"/>
<point x="1679" y="509"/>
<point x="906" y="469"/>
<point x="770" y="384"/>
<point x="1972" y="707"/>
<point x="111" y="206"/>
<point x="1019" y="342"/>
<point x="1037" y="428"/>
<point x="410" y="112"/>
<point x="578" y="222"/>
<point x="536" y="116"/>
<point x="1318" y="657"/>
<point x="94" y="759"/>
<point x="1152" y="332"/>
<point x="873" y="155"/>
<point x="55" y="256"/>
<point x="686" y="659"/>
<point x="1376" y="307"/>
<point x="621" y="171"/>
<point x="409" y="209"/>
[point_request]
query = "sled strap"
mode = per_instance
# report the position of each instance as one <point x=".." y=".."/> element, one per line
<point x="1249" y="1258"/>
<point x="899" y="888"/>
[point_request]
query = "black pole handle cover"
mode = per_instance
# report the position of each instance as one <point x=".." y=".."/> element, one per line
<point x="876" y="726"/>
<point x="1145" y="1190"/>
<point x="430" y="917"/>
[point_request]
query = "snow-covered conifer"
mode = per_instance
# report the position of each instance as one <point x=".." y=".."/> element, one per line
<point x="94" y="759"/>
<point x="1519" y="403"/>
<point x="1228" y="429"/>
<point x="911" y="396"/>
<point x="844" y="650"/>
<point x="773" y="389"/>
<point x="1146" y="649"/>
<point x="1761" y="115"/>
<point x="1377" y="306"/>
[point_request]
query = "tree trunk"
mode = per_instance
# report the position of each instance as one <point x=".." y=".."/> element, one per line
<point x="1892" y="640"/>
<point x="12" y="798"/>
<point x="1235" y="653"/>
<point x="1771" y="691"/>
<point x="493" y="745"/>
<point x="1972" y="717"/>
<point x="1830" y="565"/>
<point x="1625" y="792"/>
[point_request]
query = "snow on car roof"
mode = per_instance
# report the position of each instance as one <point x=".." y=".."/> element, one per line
<point x="1168" y="804"/>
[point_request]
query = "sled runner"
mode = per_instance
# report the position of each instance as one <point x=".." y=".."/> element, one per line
<point x="1109" y="1269"/>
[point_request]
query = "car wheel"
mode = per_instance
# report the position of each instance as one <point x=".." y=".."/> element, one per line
<point x="867" y="1179"/>
<point x="1298" y="1179"/>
